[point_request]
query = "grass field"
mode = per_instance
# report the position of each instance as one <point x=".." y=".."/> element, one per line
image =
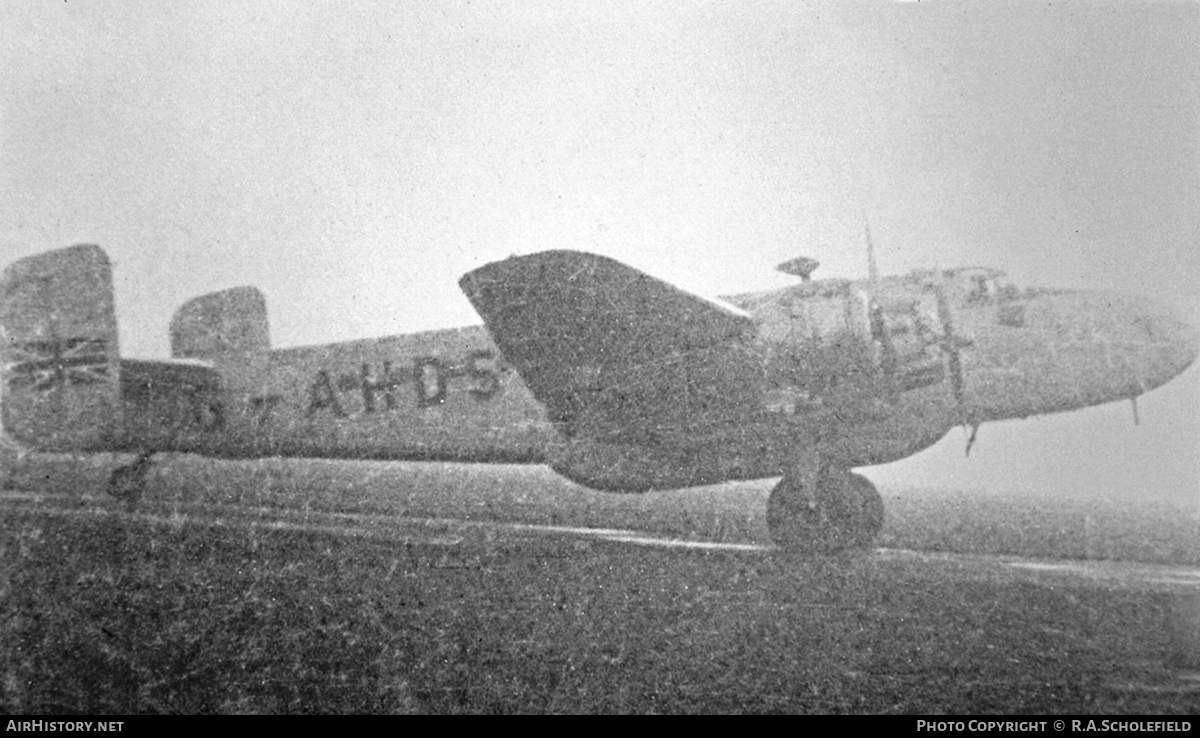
<point x="108" y="614"/>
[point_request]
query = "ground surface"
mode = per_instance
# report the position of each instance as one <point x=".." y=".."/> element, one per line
<point x="322" y="587"/>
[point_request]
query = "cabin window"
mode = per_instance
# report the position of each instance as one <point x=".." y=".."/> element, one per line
<point x="979" y="289"/>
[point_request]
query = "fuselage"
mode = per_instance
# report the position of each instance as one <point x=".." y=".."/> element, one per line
<point x="863" y="373"/>
<point x="913" y="356"/>
<point x="435" y="395"/>
<point x="615" y="379"/>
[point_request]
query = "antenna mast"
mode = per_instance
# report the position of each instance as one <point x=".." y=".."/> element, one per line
<point x="872" y="267"/>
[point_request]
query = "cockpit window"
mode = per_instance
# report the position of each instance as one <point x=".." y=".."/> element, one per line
<point x="981" y="289"/>
<point x="988" y="285"/>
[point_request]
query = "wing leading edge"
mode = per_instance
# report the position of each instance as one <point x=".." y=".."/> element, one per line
<point x="614" y="353"/>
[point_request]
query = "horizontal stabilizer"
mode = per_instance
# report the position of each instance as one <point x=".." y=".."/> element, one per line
<point x="232" y="320"/>
<point x="612" y="351"/>
<point x="59" y="357"/>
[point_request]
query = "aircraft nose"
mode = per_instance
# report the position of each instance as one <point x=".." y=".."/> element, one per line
<point x="1056" y="350"/>
<point x="1160" y="344"/>
<point x="1183" y="339"/>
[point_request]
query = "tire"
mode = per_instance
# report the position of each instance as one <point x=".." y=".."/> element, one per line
<point x="11" y="458"/>
<point x="844" y="511"/>
<point x="127" y="482"/>
<point x="870" y="510"/>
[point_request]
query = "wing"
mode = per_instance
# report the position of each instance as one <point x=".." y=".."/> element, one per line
<point x="616" y="354"/>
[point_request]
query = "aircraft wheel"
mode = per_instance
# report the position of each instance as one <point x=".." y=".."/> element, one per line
<point x="842" y="510"/>
<point x="127" y="482"/>
<point x="11" y="457"/>
<point x="871" y="510"/>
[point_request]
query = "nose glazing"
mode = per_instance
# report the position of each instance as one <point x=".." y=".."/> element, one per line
<point x="1158" y="344"/>
<point x="1061" y="350"/>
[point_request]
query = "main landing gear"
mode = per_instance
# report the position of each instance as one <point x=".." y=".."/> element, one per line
<point x="823" y="510"/>
<point x="127" y="482"/>
<point x="10" y="459"/>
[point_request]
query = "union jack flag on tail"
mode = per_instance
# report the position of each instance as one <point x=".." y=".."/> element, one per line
<point x="59" y="363"/>
<point x="44" y="365"/>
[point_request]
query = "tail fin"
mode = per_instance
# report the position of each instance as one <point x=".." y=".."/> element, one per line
<point x="59" y="363"/>
<point x="221" y="322"/>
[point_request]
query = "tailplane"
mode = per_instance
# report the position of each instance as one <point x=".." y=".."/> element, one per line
<point x="59" y="362"/>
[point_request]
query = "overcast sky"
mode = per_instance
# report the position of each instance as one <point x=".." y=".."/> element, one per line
<point x="354" y="159"/>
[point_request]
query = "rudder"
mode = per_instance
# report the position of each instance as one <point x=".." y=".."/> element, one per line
<point x="59" y="361"/>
